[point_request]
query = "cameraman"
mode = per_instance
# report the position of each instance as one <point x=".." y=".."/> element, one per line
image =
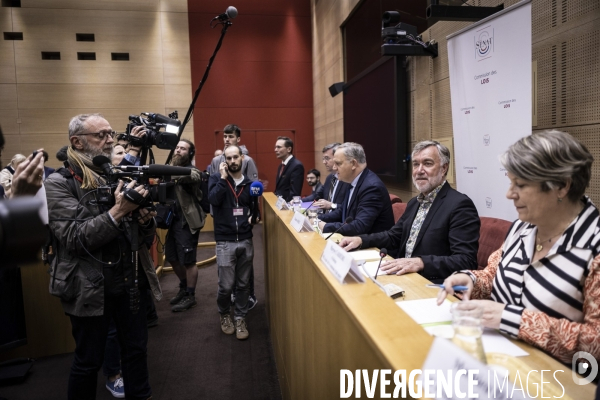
<point x="95" y="271"/>
<point x="182" y="236"/>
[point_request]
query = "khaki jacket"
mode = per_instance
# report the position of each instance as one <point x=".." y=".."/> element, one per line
<point x="188" y="195"/>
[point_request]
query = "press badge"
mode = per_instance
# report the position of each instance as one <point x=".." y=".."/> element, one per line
<point x="238" y="211"/>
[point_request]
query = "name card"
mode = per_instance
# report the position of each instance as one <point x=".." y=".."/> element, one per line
<point x="281" y="204"/>
<point x="340" y="263"/>
<point x="301" y="223"/>
<point x="472" y="379"/>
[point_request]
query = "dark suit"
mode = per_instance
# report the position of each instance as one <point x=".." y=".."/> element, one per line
<point x="290" y="180"/>
<point x="448" y="240"/>
<point x="47" y="172"/>
<point x="370" y="207"/>
<point x="317" y="191"/>
<point x="323" y="191"/>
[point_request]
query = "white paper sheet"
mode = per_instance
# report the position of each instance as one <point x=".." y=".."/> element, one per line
<point x="426" y="311"/>
<point x="365" y="255"/>
<point x="370" y="267"/>
<point x="494" y="342"/>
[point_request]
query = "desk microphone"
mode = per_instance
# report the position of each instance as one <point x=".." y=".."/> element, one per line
<point x="311" y="204"/>
<point x="382" y="253"/>
<point x="347" y="221"/>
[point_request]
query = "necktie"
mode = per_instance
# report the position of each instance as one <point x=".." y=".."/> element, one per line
<point x="332" y="188"/>
<point x="345" y="205"/>
<point x="281" y="170"/>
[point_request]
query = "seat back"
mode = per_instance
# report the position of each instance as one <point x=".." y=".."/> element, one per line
<point x="492" y="233"/>
<point x="395" y="199"/>
<point x="398" y="209"/>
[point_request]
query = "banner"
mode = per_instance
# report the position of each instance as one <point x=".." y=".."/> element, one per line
<point x="490" y="87"/>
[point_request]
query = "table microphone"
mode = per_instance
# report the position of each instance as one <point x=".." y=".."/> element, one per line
<point x="311" y="204"/>
<point x="382" y="253"/>
<point x="347" y="221"/>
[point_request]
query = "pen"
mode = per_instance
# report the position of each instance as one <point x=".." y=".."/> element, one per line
<point x="459" y="288"/>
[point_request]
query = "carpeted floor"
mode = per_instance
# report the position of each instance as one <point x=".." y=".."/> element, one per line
<point x="188" y="355"/>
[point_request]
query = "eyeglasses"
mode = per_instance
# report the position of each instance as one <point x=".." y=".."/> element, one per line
<point x="100" y="135"/>
<point x="326" y="158"/>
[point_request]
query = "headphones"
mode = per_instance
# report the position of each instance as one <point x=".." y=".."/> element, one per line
<point x="192" y="150"/>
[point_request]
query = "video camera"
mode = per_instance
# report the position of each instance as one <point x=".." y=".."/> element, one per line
<point x="159" y="193"/>
<point x="161" y="131"/>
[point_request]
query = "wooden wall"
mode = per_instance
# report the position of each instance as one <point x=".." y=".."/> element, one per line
<point x="565" y="44"/>
<point x="38" y="97"/>
<point x="261" y="80"/>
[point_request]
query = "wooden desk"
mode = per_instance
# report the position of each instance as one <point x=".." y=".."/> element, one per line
<point x="319" y="326"/>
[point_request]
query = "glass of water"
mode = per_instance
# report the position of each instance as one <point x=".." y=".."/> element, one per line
<point x="466" y="321"/>
<point x="297" y="203"/>
<point x="312" y="216"/>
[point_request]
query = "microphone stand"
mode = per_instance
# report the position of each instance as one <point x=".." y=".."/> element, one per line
<point x="188" y="115"/>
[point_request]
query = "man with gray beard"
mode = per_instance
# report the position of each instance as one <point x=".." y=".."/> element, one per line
<point x="182" y="237"/>
<point x="98" y="271"/>
<point x="438" y="234"/>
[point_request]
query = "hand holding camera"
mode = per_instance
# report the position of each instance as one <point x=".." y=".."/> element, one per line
<point x="126" y="200"/>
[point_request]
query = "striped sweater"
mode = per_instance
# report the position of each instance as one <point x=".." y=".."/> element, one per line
<point x="553" y="303"/>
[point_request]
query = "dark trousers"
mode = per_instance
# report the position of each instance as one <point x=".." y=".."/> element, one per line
<point x="90" y="339"/>
<point x="112" y="352"/>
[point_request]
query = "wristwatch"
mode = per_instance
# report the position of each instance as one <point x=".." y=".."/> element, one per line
<point x="333" y="206"/>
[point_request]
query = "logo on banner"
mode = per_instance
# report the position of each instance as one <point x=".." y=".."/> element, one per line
<point x="486" y="140"/>
<point x="488" y="202"/>
<point x="484" y="43"/>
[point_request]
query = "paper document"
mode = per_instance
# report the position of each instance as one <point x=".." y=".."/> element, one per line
<point x="494" y="342"/>
<point x="365" y="255"/>
<point x="370" y="267"/>
<point x="426" y="311"/>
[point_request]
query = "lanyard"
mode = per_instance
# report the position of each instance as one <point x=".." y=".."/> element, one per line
<point x="237" y="196"/>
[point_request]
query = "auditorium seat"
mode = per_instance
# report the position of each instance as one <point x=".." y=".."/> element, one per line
<point x="398" y="209"/>
<point x="395" y="199"/>
<point x="491" y="236"/>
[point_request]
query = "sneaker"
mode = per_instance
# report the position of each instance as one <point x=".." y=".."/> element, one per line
<point x="241" y="331"/>
<point x="227" y="324"/>
<point x="116" y="388"/>
<point x="251" y="302"/>
<point x="188" y="301"/>
<point x="182" y="292"/>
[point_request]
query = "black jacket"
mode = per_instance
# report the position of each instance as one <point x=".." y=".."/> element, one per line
<point x="228" y="227"/>
<point x="289" y="184"/>
<point x="448" y="240"/>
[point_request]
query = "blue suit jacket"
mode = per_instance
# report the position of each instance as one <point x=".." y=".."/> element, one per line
<point x="448" y="240"/>
<point x="370" y="207"/>
<point x="47" y="172"/>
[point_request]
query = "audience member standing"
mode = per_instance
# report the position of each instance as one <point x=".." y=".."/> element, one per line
<point x="182" y="237"/>
<point x="235" y="212"/>
<point x="290" y="173"/>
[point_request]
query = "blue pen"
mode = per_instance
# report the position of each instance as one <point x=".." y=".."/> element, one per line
<point x="456" y="288"/>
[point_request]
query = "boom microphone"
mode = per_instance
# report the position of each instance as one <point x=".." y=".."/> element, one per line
<point x="156" y="169"/>
<point x="256" y="189"/>
<point x="230" y="13"/>
<point x="347" y="221"/>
